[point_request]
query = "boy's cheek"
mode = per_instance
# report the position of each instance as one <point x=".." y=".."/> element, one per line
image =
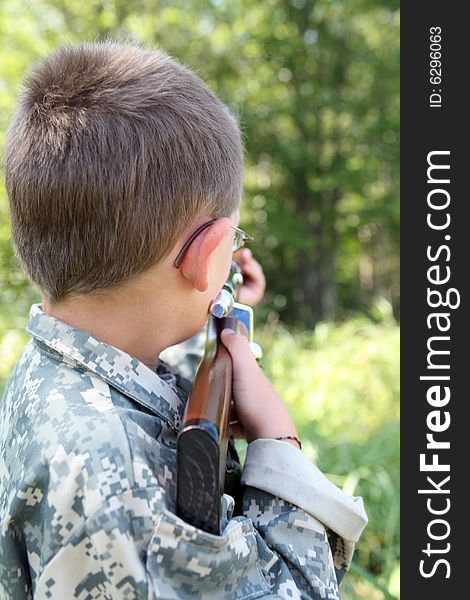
<point x="199" y="310"/>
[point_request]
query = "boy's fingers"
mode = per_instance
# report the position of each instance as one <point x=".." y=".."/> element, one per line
<point x="233" y="340"/>
<point x="239" y="348"/>
<point x="252" y="268"/>
<point x="254" y="271"/>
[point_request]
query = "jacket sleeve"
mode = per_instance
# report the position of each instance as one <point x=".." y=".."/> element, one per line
<point x="279" y="480"/>
<point x="131" y="545"/>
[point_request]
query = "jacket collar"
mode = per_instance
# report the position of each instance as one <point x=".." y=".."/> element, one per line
<point x="126" y="373"/>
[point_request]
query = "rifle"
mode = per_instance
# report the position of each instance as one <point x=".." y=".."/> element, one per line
<point x="202" y="442"/>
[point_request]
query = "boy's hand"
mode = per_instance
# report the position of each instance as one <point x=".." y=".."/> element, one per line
<point x="260" y="410"/>
<point x="254" y="281"/>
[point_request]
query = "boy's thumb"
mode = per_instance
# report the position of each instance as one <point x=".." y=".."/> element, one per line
<point x="237" y="344"/>
<point x="228" y="337"/>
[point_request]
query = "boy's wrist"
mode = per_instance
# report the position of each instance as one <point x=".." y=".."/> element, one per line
<point x="289" y="436"/>
<point x="292" y="440"/>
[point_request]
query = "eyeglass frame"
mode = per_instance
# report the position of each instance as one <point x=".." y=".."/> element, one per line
<point x="181" y="254"/>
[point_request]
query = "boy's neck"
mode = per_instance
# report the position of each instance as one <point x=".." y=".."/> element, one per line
<point x="129" y="319"/>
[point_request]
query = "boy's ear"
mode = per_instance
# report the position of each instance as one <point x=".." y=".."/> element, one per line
<point x="195" y="265"/>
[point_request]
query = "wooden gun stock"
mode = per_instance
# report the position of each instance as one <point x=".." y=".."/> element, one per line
<point x="201" y="453"/>
<point x="203" y="439"/>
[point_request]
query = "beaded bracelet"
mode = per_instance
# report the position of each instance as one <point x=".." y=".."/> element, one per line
<point x="290" y="437"/>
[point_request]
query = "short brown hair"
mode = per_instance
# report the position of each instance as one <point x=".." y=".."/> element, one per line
<point x="113" y="152"/>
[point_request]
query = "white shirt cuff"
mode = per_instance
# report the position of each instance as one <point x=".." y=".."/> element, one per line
<point x="284" y="471"/>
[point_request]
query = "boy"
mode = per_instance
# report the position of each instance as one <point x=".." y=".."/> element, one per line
<point x="116" y="156"/>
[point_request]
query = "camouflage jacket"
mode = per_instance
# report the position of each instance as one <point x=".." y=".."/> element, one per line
<point x="87" y="490"/>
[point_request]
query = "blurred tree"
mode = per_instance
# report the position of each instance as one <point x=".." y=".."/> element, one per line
<point x="315" y="85"/>
<point x="321" y="121"/>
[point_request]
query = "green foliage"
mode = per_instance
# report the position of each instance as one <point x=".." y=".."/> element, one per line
<point x="342" y="388"/>
<point x="315" y="85"/>
<point x="318" y="373"/>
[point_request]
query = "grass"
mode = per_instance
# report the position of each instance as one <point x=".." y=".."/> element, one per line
<point x="341" y="384"/>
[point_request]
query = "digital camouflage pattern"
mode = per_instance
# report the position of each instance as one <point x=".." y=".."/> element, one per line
<point x="87" y="490"/>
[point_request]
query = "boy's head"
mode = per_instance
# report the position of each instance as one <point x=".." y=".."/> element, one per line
<point x="114" y="151"/>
